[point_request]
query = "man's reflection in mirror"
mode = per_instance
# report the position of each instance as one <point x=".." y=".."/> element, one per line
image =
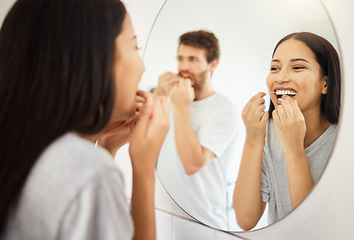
<point x="200" y="147"/>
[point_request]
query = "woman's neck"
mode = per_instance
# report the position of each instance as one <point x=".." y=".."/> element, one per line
<point x="92" y="138"/>
<point x="316" y="125"/>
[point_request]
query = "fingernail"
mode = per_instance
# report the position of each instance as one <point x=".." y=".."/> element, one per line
<point x="148" y="101"/>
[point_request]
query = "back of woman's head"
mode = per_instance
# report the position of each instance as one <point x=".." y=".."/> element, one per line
<point x="56" y="59"/>
<point x="328" y="59"/>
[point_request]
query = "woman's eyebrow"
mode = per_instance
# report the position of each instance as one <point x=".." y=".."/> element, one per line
<point x="299" y="59"/>
<point x="292" y="60"/>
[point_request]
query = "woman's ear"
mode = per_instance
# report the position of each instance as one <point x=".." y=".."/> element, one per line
<point x="325" y="85"/>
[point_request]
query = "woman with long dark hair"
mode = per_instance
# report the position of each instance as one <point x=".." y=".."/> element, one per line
<point x="287" y="149"/>
<point x="69" y="72"/>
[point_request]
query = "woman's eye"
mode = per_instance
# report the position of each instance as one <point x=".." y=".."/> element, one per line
<point x="299" y="67"/>
<point x="272" y="69"/>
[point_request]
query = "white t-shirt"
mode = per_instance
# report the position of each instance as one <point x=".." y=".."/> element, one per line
<point x="74" y="191"/>
<point x="216" y="123"/>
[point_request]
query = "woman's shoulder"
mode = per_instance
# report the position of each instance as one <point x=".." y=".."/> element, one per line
<point x="70" y="164"/>
<point x="74" y="158"/>
<point x="71" y="171"/>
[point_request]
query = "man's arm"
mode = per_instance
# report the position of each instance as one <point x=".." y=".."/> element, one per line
<point x="193" y="156"/>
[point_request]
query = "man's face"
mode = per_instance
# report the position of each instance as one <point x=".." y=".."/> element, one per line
<point x="192" y="64"/>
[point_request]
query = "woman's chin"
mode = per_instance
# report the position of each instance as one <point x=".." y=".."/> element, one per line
<point x="123" y="116"/>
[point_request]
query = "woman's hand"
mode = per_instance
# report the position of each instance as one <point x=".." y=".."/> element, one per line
<point x="290" y="125"/>
<point x="118" y="133"/>
<point x="145" y="144"/>
<point x="247" y="199"/>
<point x="150" y="132"/>
<point x="255" y="119"/>
<point x="291" y="129"/>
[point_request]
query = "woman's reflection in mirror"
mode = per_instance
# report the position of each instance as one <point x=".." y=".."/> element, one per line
<point x="286" y="149"/>
<point x="195" y="159"/>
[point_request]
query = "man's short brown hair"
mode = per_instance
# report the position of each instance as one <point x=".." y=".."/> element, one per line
<point x="204" y="40"/>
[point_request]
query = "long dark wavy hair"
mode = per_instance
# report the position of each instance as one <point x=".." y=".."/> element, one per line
<point x="328" y="59"/>
<point x="56" y="76"/>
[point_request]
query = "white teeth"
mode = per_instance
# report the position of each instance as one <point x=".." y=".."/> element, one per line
<point x="286" y="92"/>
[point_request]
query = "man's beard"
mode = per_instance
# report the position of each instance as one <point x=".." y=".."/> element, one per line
<point x="198" y="81"/>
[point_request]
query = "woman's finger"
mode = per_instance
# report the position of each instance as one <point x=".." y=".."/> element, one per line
<point x="281" y="113"/>
<point x="296" y="109"/>
<point x="259" y="111"/>
<point x="264" y="118"/>
<point x="287" y="106"/>
<point x="257" y="105"/>
<point x="144" y="117"/>
<point x="140" y="99"/>
<point x="276" y="118"/>
<point x="144" y="95"/>
<point x="250" y="103"/>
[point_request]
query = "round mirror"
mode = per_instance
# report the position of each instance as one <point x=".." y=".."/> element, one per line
<point x="247" y="32"/>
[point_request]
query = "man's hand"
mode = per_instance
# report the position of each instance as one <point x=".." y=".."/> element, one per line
<point x="166" y="82"/>
<point x="182" y="94"/>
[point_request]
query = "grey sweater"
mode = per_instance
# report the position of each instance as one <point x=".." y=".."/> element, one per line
<point x="274" y="186"/>
<point x="74" y="191"/>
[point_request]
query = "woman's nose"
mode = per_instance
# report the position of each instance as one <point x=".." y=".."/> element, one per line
<point x="283" y="76"/>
